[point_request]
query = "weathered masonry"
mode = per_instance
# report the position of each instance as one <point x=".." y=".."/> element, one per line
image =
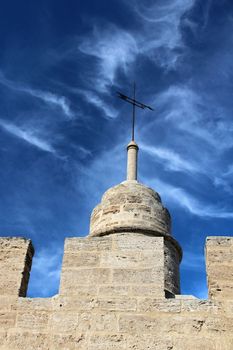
<point x="119" y="286"/>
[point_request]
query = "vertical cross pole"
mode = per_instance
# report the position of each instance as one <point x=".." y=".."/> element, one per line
<point x="133" y="121"/>
<point x="132" y="148"/>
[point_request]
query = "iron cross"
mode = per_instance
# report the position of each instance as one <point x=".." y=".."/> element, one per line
<point x="134" y="103"/>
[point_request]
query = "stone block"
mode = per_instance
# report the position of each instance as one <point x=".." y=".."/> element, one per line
<point x="88" y="244"/>
<point x="36" y="320"/>
<point x="148" y="290"/>
<point x="200" y="306"/>
<point x="137" y="242"/>
<point x="139" y="276"/>
<point x="115" y="259"/>
<point x="81" y="259"/>
<point x="125" y="304"/>
<point x="192" y="342"/>
<point x="30" y="340"/>
<point x="7" y="319"/>
<point x="74" y="303"/>
<point x="148" y="324"/>
<point x="75" y="277"/>
<point x="152" y="305"/>
<point x="34" y="304"/>
<point x="105" y="322"/>
<point x="8" y="303"/>
<point x="150" y="342"/>
<point x="107" y="342"/>
<point x="114" y="290"/>
<point x="64" y="322"/>
<point x="3" y="339"/>
<point x="68" y="341"/>
<point x="83" y="291"/>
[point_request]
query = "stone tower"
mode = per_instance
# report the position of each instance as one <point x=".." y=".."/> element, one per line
<point x="134" y="212"/>
<point x="119" y="287"/>
<point x="141" y="258"/>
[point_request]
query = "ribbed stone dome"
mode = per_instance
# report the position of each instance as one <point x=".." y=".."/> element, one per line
<point x="130" y="207"/>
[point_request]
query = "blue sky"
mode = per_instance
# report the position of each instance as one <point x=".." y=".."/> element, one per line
<point x="63" y="132"/>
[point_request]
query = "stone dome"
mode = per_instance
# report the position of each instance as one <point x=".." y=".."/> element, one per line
<point x="130" y="207"/>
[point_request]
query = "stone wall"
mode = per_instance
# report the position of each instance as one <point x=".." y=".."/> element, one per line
<point x="112" y="297"/>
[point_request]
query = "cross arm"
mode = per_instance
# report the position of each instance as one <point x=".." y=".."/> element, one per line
<point x="133" y="101"/>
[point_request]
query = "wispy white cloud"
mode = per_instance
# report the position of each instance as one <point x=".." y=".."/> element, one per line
<point x="158" y="37"/>
<point x="110" y="167"/>
<point x="223" y="183"/>
<point x="95" y="99"/>
<point x="52" y="99"/>
<point x="229" y="171"/>
<point x="49" y="98"/>
<point x="28" y="135"/>
<point x="196" y="25"/>
<point x="185" y="110"/>
<point x="109" y="111"/>
<point x="183" y="199"/>
<point x="161" y="29"/>
<point x="174" y="161"/>
<point x="45" y="274"/>
<point x="84" y="152"/>
<point x="113" y="48"/>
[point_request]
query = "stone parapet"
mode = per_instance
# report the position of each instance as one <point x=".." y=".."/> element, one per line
<point x="110" y="299"/>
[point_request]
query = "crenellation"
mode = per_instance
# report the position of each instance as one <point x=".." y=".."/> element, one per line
<point x="112" y="297"/>
<point x="119" y="286"/>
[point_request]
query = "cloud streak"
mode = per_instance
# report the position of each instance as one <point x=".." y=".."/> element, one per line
<point x="183" y="199"/>
<point x="158" y="38"/>
<point x="161" y="27"/>
<point x="49" y="98"/>
<point x="27" y="135"/>
<point x="113" y="48"/>
<point x="52" y="100"/>
<point x="186" y="110"/>
<point x="95" y="99"/>
<point x="174" y="161"/>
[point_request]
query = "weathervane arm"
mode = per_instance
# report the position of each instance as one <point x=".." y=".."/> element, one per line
<point x="135" y="104"/>
<point x="133" y="101"/>
<point x="142" y="105"/>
